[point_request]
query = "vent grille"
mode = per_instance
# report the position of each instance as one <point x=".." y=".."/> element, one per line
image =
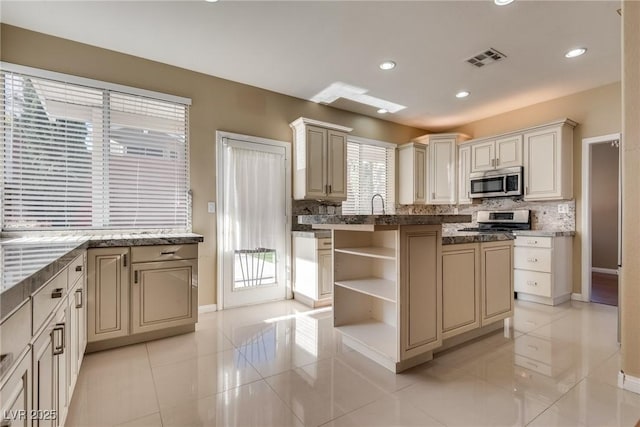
<point x="486" y="57"/>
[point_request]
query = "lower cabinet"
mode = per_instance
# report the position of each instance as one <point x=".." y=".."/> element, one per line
<point x="497" y="281"/>
<point x="313" y="270"/>
<point x="15" y="394"/>
<point x="77" y="332"/>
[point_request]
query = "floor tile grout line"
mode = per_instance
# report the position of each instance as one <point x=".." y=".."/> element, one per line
<point x="155" y="387"/>
<point x="282" y="400"/>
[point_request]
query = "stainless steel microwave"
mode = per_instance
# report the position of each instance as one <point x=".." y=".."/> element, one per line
<point x="496" y="183"/>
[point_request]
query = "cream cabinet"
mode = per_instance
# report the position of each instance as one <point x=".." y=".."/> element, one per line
<point x="464" y="170"/>
<point x="320" y="160"/>
<point x="77" y="320"/>
<point x="15" y="394"/>
<point x="460" y="288"/>
<point x="502" y="152"/>
<point x="108" y="293"/>
<point x="412" y="174"/>
<point x="442" y="170"/>
<point x="548" y="162"/>
<point x="313" y="270"/>
<point x="387" y="292"/>
<point x="543" y="268"/>
<point x="496" y="260"/>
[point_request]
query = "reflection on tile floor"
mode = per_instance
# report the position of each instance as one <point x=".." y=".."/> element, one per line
<point x="282" y="364"/>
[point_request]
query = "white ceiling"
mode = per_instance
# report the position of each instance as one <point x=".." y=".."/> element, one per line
<point x="299" y="48"/>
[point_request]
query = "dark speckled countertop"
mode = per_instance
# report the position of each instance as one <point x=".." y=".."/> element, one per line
<point x="382" y="219"/>
<point x="27" y="263"/>
<point x="459" y="237"/>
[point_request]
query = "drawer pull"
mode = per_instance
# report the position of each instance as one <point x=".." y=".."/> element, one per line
<point x="124" y="260"/>
<point x="79" y="292"/>
<point x="533" y="347"/>
<point x="168" y="253"/>
<point x="78" y="268"/>
<point x="57" y="293"/>
<point x="532" y="259"/>
<point x="532" y="283"/>
<point x="532" y="242"/>
<point x="135" y="276"/>
<point x="58" y="349"/>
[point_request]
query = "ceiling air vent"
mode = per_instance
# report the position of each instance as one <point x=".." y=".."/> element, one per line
<point x="486" y="57"/>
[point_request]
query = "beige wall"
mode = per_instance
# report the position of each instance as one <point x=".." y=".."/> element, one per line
<point x="604" y="206"/>
<point x="630" y="272"/>
<point x="597" y="111"/>
<point x="217" y="105"/>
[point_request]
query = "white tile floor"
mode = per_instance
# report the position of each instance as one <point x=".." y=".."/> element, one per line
<point x="282" y="364"/>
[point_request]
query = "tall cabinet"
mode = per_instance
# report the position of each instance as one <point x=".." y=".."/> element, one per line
<point x="320" y="160"/>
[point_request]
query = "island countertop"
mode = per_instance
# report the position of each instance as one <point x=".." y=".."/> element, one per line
<point x="335" y="221"/>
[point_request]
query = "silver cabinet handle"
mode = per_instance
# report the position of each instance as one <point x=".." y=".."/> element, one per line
<point x="135" y="276"/>
<point x="57" y="293"/>
<point x="124" y="260"/>
<point x="168" y="253"/>
<point x="79" y="292"/>
<point x="58" y="349"/>
<point x="532" y="283"/>
<point x="532" y="242"/>
<point x="498" y="161"/>
<point x="78" y="268"/>
<point x="532" y="259"/>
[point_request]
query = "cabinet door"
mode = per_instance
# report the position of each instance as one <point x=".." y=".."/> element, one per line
<point x="542" y="164"/>
<point x="483" y="156"/>
<point x="315" y="162"/>
<point x="420" y="174"/>
<point x="325" y="273"/>
<point x="164" y="294"/>
<point x="108" y="293"/>
<point x="61" y="343"/>
<point x="15" y="395"/>
<point x="421" y="290"/>
<point x="497" y="281"/>
<point x="337" y="165"/>
<point x="45" y="371"/>
<point x="460" y="289"/>
<point x="464" y="169"/>
<point x="509" y="151"/>
<point x="442" y="171"/>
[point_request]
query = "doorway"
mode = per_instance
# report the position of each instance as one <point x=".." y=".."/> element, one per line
<point x="254" y="207"/>
<point x="601" y="245"/>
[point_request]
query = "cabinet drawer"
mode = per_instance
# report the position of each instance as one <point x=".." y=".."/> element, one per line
<point x="323" y="243"/>
<point x="533" y="365"/>
<point x="163" y="252"/>
<point x="534" y="348"/>
<point x="15" y="333"/>
<point x="532" y="282"/>
<point x="75" y="270"/>
<point x="532" y="259"/>
<point x="47" y="298"/>
<point x="534" y="241"/>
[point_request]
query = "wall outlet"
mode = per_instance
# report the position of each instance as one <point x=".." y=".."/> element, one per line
<point x="455" y="210"/>
<point x="563" y="208"/>
<point x="211" y="207"/>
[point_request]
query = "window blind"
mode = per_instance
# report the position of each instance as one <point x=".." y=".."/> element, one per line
<point x="78" y="157"/>
<point x="370" y="170"/>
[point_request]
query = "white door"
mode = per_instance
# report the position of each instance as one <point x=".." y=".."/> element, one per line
<point x="254" y="213"/>
<point x="509" y="151"/>
<point x="483" y="156"/>
<point x="442" y="170"/>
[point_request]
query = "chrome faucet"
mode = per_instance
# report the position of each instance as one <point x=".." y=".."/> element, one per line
<point x="381" y="199"/>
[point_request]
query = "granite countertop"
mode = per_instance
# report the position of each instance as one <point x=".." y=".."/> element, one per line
<point x="382" y="219"/>
<point x="27" y="263"/>
<point x="312" y="234"/>
<point x="544" y="233"/>
<point x="459" y="237"/>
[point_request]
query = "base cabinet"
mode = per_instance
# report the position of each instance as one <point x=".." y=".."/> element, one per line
<point x="313" y="270"/>
<point x="460" y="289"/>
<point x="15" y="394"/>
<point x="497" y="281"/>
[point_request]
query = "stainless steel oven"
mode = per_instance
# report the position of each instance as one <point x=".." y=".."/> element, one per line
<point x="496" y="183"/>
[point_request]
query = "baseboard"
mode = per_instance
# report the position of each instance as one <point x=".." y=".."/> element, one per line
<point x="604" y="270"/>
<point x="627" y="382"/>
<point x="207" y="308"/>
<point x="578" y="297"/>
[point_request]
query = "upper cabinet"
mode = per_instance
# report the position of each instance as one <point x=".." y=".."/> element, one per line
<point x="464" y="169"/>
<point x="503" y="152"/>
<point x="412" y="186"/>
<point x="320" y="160"/>
<point x="548" y="162"/>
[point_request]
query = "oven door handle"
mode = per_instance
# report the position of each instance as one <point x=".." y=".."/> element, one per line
<point x="504" y="184"/>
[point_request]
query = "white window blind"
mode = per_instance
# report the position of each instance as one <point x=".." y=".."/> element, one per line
<point x="78" y="157"/>
<point x="370" y="170"/>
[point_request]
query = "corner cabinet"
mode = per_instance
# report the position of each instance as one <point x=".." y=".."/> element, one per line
<point x="320" y="160"/>
<point x="412" y="176"/>
<point x="548" y="162"/>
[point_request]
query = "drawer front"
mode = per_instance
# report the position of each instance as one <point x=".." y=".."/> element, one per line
<point x="76" y="269"/>
<point x="532" y="282"/>
<point x="533" y="365"/>
<point x="532" y="259"/>
<point x="15" y="333"/>
<point x="534" y="348"/>
<point x="48" y="298"/>
<point x="323" y="243"/>
<point x="163" y="252"/>
<point x="534" y="241"/>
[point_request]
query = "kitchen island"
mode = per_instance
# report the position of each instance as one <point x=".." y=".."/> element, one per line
<point x="388" y="284"/>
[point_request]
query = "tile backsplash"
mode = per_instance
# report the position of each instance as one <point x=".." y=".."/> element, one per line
<point x="311" y="207"/>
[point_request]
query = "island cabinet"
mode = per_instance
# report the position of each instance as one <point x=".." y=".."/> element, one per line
<point x="320" y="160"/>
<point x="387" y="292"/>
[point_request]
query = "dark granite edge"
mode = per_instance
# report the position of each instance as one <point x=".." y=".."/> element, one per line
<point x="476" y="238"/>
<point x="14" y="296"/>
<point x="545" y="233"/>
<point x="312" y="234"/>
<point x="383" y="219"/>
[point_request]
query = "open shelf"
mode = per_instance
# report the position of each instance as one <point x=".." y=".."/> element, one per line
<point x="370" y="251"/>
<point x="374" y="334"/>
<point x="374" y="286"/>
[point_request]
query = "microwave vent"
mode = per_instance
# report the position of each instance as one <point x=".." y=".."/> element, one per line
<point x="486" y="57"/>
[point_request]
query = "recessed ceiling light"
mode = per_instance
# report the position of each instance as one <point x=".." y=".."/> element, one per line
<point x="502" y="2"/>
<point x="462" y="94"/>
<point x="388" y="65"/>
<point x="575" y="52"/>
<point x="382" y="111"/>
<point x="211" y="1"/>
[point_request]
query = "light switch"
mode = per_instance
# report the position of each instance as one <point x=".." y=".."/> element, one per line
<point x="211" y="207"/>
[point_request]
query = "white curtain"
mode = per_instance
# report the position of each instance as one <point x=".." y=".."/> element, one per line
<point x="254" y="199"/>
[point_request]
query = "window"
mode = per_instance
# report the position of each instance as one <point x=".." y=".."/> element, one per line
<point x="370" y="170"/>
<point x="91" y="156"/>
